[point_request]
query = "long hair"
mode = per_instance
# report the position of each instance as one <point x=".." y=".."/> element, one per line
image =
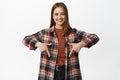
<point x="66" y="25"/>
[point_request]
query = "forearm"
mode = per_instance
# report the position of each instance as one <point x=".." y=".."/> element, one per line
<point x="90" y="39"/>
<point x="29" y="42"/>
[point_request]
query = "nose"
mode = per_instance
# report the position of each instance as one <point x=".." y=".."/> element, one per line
<point x="59" y="16"/>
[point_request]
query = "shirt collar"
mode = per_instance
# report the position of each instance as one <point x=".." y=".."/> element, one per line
<point x="52" y="31"/>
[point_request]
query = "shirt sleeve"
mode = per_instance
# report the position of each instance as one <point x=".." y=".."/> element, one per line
<point x="88" y="38"/>
<point x="31" y="40"/>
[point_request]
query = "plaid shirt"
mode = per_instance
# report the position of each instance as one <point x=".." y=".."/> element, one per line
<point x="47" y="64"/>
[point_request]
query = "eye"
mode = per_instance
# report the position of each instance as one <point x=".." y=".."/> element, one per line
<point x="62" y="13"/>
<point x="56" y="14"/>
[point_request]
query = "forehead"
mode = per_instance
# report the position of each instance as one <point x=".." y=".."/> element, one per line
<point x="58" y="10"/>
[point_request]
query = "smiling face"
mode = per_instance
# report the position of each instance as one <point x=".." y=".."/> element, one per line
<point x="59" y="17"/>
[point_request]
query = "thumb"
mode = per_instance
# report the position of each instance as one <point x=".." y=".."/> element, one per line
<point x="49" y="44"/>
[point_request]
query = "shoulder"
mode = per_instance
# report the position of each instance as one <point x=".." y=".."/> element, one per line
<point x="74" y="30"/>
<point x="43" y="31"/>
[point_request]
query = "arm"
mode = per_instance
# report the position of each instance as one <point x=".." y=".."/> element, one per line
<point x="89" y="39"/>
<point x="35" y="41"/>
<point x="85" y="40"/>
<point x="31" y="40"/>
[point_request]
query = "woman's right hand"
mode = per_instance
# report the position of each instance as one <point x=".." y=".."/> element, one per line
<point x="43" y="47"/>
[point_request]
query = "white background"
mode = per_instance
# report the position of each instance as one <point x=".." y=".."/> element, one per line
<point x="19" y="18"/>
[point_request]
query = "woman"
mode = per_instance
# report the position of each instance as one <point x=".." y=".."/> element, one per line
<point x="59" y="46"/>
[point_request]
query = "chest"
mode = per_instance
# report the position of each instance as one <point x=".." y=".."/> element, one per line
<point x="71" y="38"/>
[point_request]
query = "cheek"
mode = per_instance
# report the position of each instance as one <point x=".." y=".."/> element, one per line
<point x="63" y="17"/>
<point x="54" y="18"/>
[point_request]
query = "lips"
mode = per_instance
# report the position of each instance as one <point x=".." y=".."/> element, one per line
<point x="60" y="20"/>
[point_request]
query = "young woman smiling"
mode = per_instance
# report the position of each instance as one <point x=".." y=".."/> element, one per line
<point x="59" y="46"/>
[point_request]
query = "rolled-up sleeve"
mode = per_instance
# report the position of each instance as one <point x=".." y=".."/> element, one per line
<point x="88" y="38"/>
<point x="31" y="40"/>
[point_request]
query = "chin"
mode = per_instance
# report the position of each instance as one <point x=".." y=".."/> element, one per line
<point x="60" y="24"/>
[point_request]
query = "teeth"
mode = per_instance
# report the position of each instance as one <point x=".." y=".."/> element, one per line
<point x="60" y="20"/>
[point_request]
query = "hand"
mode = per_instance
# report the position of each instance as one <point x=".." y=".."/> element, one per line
<point x="76" y="47"/>
<point x="43" y="47"/>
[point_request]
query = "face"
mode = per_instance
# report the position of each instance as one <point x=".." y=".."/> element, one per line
<point x="59" y="16"/>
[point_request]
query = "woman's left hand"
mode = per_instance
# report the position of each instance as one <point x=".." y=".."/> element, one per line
<point x="76" y="47"/>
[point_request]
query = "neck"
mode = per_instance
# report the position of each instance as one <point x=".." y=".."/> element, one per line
<point x="58" y="27"/>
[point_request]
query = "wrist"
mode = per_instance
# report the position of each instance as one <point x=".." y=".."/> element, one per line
<point x="37" y="44"/>
<point x="82" y="44"/>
